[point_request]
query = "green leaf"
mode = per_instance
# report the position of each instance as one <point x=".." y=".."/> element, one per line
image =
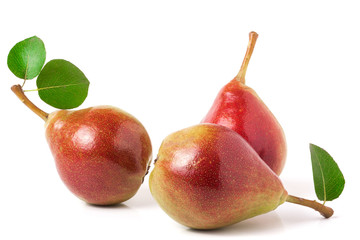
<point x="328" y="179"/>
<point x="62" y="85"/>
<point x="27" y="57"/>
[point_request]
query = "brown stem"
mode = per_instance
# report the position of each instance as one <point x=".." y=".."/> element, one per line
<point x="250" y="48"/>
<point x="17" y="89"/>
<point x="322" y="209"/>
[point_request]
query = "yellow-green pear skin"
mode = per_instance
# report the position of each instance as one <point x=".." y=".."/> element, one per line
<point x="207" y="176"/>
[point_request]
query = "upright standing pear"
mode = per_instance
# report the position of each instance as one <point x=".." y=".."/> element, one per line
<point x="238" y="107"/>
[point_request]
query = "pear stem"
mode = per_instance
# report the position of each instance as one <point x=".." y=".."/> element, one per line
<point x="17" y="89"/>
<point x="322" y="209"/>
<point x="250" y="48"/>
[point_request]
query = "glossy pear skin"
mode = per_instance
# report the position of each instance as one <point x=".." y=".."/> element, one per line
<point x="239" y="108"/>
<point x="101" y="153"/>
<point x="207" y="176"/>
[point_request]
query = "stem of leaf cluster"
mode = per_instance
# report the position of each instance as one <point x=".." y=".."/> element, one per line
<point x="250" y="48"/>
<point x="321" y="208"/>
<point x="17" y="89"/>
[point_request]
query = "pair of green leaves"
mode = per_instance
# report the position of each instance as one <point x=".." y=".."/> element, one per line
<point x="329" y="181"/>
<point x="59" y="83"/>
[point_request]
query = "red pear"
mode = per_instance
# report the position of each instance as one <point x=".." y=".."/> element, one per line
<point x="101" y="153"/>
<point x="207" y="176"/>
<point x="238" y="107"/>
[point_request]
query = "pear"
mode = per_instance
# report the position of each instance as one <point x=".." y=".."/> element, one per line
<point x="238" y="107"/>
<point x="101" y="153"/>
<point x="207" y="176"/>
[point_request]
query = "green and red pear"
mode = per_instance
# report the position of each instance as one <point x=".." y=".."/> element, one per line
<point x="207" y="176"/>
<point x="239" y="108"/>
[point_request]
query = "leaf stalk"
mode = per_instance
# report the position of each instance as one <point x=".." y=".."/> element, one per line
<point x="17" y="89"/>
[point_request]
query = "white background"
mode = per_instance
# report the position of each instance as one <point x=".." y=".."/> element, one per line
<point x="164" y="62"/>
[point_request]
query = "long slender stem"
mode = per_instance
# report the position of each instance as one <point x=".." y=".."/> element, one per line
<point x="17" y="89"/>
<point x="322" y="209"/>
<point x="250" y="48"/>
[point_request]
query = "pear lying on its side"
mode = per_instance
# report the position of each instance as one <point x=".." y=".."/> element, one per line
<point x="207" y="176"/>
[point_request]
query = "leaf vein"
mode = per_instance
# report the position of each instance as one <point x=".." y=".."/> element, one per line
<point x="58" y="86"/>
<point x="322" y="176"/>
